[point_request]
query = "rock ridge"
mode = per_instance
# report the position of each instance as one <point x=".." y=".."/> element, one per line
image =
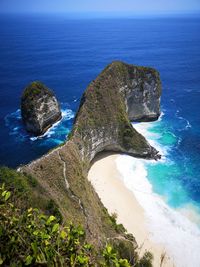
<point x="102" y="123"/>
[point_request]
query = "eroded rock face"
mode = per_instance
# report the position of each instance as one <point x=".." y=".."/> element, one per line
<point x="141" y="87"/>
<point x="121" y="93"/>
<point x="39" y="108"/>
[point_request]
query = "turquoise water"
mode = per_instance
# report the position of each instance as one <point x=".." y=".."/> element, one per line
<point x="167" y="176"/>
<point x="167" y="189"/>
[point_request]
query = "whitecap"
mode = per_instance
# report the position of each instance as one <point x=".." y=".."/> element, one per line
<point x="162" y="114"/>
<point x="67" y="114"/>
<point x="186" y="125"/>
<point x="152" y="137"/>
<point x="48" y="133"/>
<point x="33" y="138"/>
<point x="16" y="128"/>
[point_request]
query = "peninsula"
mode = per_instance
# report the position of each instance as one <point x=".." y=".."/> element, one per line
<point x="121" y="93"/>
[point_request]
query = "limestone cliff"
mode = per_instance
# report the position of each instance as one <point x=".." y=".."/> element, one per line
<point x="141" y="88"/>
<point x="101" y="124"/>
<point x="39" y="108"/>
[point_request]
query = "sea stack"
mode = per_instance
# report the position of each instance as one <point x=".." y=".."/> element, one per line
<point x="39" y="108"/>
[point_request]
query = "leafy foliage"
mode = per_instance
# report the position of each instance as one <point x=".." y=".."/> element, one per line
<point x="31" y="238"/>
<point x="118" y="227"/>
<point x="111" y="259"/>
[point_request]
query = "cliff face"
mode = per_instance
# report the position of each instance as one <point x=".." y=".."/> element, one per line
<point x="141" y="88"/>
<point x="39" y="108"/>
<point x="101" y="124"/>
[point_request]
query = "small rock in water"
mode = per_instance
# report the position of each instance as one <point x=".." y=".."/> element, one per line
<point x="39" y="108"/>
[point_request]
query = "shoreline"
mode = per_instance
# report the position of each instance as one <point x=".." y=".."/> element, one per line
<point x="118" y="199"/>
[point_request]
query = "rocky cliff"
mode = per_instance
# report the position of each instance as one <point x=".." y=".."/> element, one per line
<point x="39" y="108"/>
<point x="141" y="88"/>
<point x="120" y="93"/>
<point x="101" y="124"/>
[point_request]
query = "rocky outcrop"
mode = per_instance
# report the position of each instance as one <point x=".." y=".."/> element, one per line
<point x="102" y="123"/>
<point x="120" y="93"/>
<point x="39" y="108"/>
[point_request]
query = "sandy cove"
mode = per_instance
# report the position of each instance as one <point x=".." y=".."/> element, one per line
<point x="117" y="198"/>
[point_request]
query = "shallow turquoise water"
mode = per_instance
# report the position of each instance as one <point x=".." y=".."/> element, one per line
<point x="167" y="176"/>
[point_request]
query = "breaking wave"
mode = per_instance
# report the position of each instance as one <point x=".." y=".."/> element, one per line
<point x="171" y="216"/>
<point x="57" y="133"/>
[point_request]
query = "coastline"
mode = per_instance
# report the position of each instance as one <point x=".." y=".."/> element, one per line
<point x="118" y="199"/>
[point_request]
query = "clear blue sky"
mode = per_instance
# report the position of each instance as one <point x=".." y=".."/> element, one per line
<point x="101" y="6"/>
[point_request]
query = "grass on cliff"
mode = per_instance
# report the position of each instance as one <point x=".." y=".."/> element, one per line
<point x="35" y="88"/>
<point x="33" y="234"/>
<point x="33" y="239"/>
<point x="26" y="191"/>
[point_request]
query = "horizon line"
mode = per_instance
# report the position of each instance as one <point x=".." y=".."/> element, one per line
<point x="104" y="14"/>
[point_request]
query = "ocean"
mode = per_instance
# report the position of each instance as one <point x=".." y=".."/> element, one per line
<point x="67" y="54"/>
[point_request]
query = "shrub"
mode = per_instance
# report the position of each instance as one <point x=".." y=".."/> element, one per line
<point x="34" y="239"/>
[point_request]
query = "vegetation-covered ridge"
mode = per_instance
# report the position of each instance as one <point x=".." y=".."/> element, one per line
<point x="101" y="124"/>
<point x="31" y="238"/>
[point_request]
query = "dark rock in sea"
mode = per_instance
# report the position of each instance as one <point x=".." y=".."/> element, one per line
<point x="39" y="108"/>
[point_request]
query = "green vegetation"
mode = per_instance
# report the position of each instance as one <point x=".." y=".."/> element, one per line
<point x="26" y="190"/>
<point x="118" y="227"/>
<point x="70" y="135"/>
<point x="31" y="238"/>
<point x="35" y="88"/>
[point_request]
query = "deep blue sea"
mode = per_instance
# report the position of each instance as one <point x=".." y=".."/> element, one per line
<point x="67" y="54"/>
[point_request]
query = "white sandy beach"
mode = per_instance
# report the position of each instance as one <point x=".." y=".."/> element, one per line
<point x="117" y="198"/>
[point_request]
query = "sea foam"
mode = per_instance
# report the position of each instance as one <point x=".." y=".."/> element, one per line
<point x="152" y="137"/>
<point x="169" y="227"/>
<point x="57" y="132"/>
<point x="67" y="114"/>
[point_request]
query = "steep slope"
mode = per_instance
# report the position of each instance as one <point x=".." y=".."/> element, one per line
<point x="101" y="124"/>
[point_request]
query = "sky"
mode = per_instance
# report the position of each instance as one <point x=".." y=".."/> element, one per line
<point x="134" y="7"/>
